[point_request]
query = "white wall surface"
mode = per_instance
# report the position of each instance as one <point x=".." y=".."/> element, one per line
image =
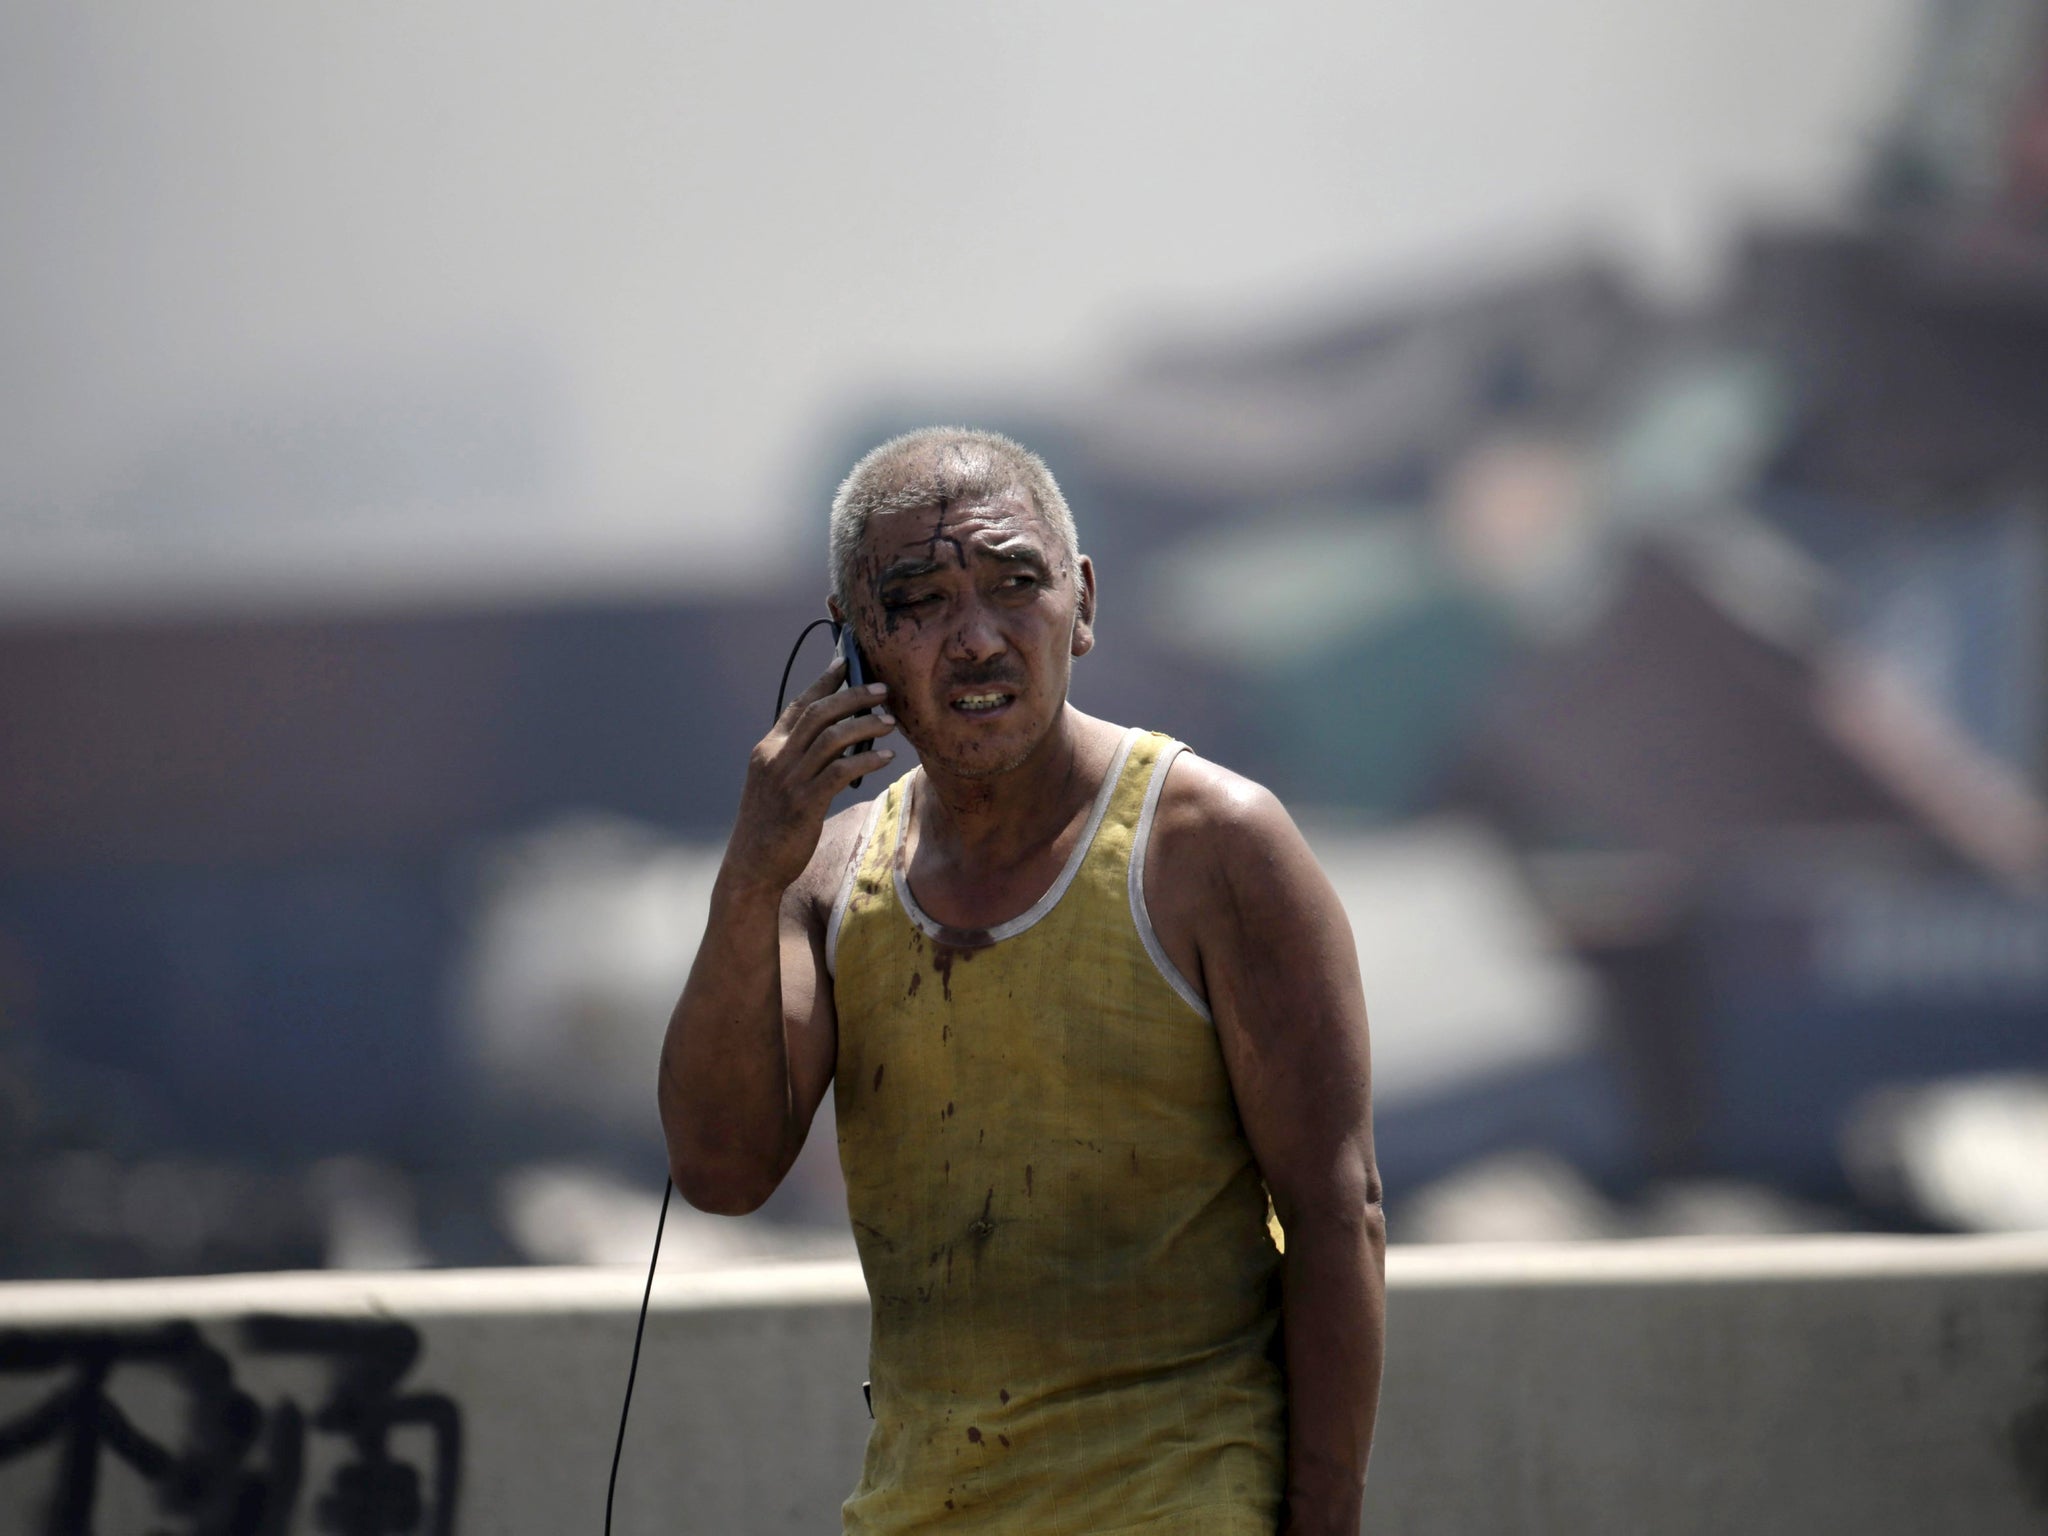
<point x="1803" y="1387"/>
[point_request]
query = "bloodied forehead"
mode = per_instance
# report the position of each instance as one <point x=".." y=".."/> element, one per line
<point x="902" y="543"/>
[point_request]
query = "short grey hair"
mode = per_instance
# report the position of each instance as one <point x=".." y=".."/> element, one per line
<point x="936" y="465"/>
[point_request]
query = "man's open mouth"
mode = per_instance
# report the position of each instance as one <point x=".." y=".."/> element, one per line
<point x="986" y="702"/>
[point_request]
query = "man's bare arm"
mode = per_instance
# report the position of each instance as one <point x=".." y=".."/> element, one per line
<point x="1275" y="958"/>
<point x="750" y="1047"/>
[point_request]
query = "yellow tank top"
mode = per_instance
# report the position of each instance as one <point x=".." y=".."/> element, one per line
<point x="1074" y="1291"/>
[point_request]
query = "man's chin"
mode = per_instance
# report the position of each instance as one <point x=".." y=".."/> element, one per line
<point x="978" y="764"/>
<point x="987" y="755"/>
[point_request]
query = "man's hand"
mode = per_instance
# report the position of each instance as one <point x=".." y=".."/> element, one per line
<point x="794" y="772"/>
<point x="751" y="1044"/>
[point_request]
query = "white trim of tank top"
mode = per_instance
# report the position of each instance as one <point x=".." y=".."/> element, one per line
<point x="860" y="852"/>
<point x="1147" y="934"/>
<point x="1051" y="898"/>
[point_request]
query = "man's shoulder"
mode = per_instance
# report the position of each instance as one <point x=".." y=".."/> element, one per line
<point x="1211" y="807"/>
<point x="1226" y="870"/>
<point x="817" y="888"/>
<point x="1209" y="815"/>
<point x="1230" y="873"/>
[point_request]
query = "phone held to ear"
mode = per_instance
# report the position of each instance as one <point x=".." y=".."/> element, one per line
<point x="856" y="677"/>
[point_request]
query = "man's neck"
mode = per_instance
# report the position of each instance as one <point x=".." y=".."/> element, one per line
<point x="1002" y="820"/>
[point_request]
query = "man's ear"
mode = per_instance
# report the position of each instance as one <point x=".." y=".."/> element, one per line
<point x="832" y="607"/>
<point x="1084" y="608"/>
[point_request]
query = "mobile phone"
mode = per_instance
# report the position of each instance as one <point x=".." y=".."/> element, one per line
<point x="856" y="677"/>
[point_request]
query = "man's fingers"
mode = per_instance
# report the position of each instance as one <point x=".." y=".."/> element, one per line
<point x="844" y="770"/>
<point x="836" y="738"/>
<point x="822" y="714"/>
<point x="823" y="684"/>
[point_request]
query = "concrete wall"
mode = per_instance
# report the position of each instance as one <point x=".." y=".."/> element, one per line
<point x="1809" y="1386"/>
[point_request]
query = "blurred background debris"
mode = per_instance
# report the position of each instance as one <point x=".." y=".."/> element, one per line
<point x="1592" y="465"/>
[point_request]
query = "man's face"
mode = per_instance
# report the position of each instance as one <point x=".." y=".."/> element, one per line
<point x="972" y="614"/>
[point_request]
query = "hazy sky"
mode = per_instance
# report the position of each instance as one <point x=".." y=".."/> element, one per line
<point x="663" y="244"/>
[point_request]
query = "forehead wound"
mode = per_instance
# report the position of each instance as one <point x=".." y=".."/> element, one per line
<point x="1006" y="526"/>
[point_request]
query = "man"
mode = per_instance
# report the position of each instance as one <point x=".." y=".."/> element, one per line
<point x="1084" y="1000"/>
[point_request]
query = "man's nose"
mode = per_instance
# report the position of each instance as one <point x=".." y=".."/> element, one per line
<point x="977" y="636"/>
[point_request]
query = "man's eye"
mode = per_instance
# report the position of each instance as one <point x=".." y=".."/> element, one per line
<point x="898" y="602"/>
